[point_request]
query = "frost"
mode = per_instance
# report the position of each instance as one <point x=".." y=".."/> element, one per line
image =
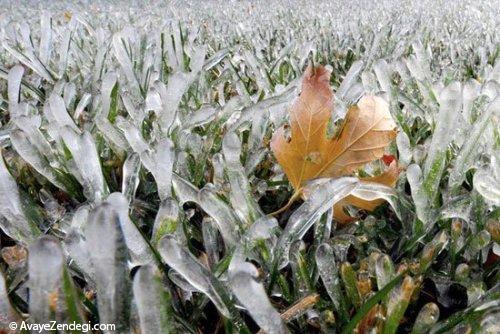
<point x="136" y="166"/>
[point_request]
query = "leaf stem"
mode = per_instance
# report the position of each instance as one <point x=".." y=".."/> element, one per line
<point x="292" y="199"/>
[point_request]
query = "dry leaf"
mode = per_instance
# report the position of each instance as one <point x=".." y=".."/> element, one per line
<point x="305" y="152"/>
<point x="302" y="153"/>
<point x="387" y="178"/>
<point x="14" y="256"/>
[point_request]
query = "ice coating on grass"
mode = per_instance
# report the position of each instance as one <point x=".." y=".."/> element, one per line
<point x="426" y="318"/>
<point x="130" y="180"/>
<point x="58" y="115"/>
<point x="23" y="50"/>
<point x="278" y="101"/>
<point x="211" y="242"/>
<point x="252" y="295"/>
<point x="349" y="80"/>
<point x="119" y="48"/>
<point x="184" y="190"/>
<point x="224" y="216"/>
<point x="109" y="257"/>
<point x="103" y="117"/>
<point x="383" y="73"/>
<point x="404" y="148"/>
<point x="384" y="270"/>
<point x="86" y="158"/>
<point x="132" y="134"/>
<point x="200" y="117"/>
<point x="172" y="93"/>
<point x="7" y="312"/>
<point x="471" y="148"/>
<point x="15" y="222"/>
<point x="450" y="105"/>
<point x="152" y="301"/>
<point x="167" y="220"/>
<point x="263" y="229"/>
<point x="487" y="181"/>
<point x="329" y="272"/>
<point x="414" y="176"/>
<point x="14" y="86"/>
<point x="76" y="247"/>
<point x="471" y="91"/>
<point x="243" y="278"/>
<point x="240" y="196"/>
<point x="45" y="263"/>
<point x="193" y="271"/>
<point x="82" y="104"/>
<point x="370" y="191"/>
<point x="159" y="162"/>
<point x="321" y="198"/>
<point x="23" y="145"/>
<point x="139" y="251"/>
<point x="247" y="81"/>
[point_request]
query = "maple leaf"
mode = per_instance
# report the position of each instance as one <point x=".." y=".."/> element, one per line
<point x="387" y="178"/>
<point x="305" y="152"/>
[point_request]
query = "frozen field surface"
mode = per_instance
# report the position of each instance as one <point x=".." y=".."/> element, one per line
<point x="183" y="167"/>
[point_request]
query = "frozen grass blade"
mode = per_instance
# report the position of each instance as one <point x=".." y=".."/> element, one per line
<point x="152" y="302"/>
<point x="109" y="256"/>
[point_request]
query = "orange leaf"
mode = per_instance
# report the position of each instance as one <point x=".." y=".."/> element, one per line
<point x="303" y="149"/>
<point x="301" y="154"/>
<point x="387" y="178"/>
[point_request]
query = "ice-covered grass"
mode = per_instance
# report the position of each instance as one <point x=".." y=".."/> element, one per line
<point x="137" y="183"/>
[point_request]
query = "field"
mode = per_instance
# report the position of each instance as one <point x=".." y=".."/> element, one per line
<point x="250" y="166"/>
